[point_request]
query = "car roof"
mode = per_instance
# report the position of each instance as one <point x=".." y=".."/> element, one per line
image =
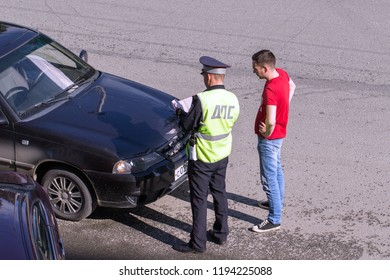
<point x="13" y="36"/>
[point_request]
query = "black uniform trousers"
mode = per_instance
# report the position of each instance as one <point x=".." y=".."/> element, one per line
<point x="202" y="177"/>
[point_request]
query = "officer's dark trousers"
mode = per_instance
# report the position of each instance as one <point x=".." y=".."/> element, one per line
<point x="202" y="177"/>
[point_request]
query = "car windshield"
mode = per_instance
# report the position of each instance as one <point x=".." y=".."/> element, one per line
<point x="38" y="73"/>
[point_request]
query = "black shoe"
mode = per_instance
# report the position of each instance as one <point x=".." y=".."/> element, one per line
<point x="263" y="204"/>
<point x="186" y="248"/>
<point x="265" y="226"/>
<point x="211" y="237"/>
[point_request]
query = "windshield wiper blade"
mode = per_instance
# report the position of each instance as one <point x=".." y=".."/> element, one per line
<point x="49" y="101"/>
<point x="44" y="103"/>
<point x="56" y="98"/>
<point x="69" y="89"/>
<point x="53" y="100"/>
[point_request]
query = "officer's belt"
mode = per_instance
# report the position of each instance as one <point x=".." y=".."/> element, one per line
<point x="211" y="138"/>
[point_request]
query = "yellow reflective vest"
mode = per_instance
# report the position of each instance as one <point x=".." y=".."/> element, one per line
<point x="220" y="110"/>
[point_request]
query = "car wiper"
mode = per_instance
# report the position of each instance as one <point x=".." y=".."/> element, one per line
<point x="54" y="100"/>
<point x="57" y="98"/>
<point x="48" y="101"/>
<point x="68" y="89"/>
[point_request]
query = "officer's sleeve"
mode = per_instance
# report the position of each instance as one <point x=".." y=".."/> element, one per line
<point x="193" y="118"/>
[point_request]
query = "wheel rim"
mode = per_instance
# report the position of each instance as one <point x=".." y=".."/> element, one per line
<point x="65" y="195"/>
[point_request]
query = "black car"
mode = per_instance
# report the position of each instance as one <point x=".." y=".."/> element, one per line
<point x="90" y="138"/>
<point x="28" y="227"/>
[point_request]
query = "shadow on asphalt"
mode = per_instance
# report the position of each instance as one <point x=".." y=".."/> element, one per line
<point x="133" y="217"/>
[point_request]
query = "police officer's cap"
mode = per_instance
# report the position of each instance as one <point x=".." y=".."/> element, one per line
<point x="212" y="65"/>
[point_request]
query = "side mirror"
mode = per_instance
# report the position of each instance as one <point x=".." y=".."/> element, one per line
<point x="84" y="55"/>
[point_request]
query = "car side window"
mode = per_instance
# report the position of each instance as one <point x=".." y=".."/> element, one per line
<point x="42" y="236"/>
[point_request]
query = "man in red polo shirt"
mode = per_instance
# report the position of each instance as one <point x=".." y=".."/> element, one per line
<point x="271" y="128"/>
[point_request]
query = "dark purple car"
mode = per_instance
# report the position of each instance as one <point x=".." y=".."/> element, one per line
<point x="28" y="227"/>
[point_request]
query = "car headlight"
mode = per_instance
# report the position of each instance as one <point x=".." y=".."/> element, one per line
<point x="136" y="165"/>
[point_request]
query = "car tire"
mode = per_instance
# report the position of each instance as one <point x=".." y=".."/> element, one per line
<point x="68" y="194"/>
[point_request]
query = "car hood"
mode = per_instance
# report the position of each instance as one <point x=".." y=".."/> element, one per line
<point x="115" y="115"/>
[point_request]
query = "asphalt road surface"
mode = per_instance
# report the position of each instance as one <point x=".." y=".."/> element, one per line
<point x="336" y="156"/>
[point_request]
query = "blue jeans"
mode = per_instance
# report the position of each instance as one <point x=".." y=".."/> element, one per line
<point x="272" y="177"/>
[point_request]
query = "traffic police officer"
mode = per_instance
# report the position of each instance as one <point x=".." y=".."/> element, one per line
<point x="211" y="117"/>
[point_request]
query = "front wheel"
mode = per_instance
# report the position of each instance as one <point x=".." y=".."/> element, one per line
<point x="69" y="195"/>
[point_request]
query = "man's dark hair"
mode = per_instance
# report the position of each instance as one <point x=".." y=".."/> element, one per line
<point x="264" y="57"/>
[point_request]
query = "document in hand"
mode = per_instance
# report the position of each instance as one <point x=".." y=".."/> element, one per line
<point x="184" y="104"/>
